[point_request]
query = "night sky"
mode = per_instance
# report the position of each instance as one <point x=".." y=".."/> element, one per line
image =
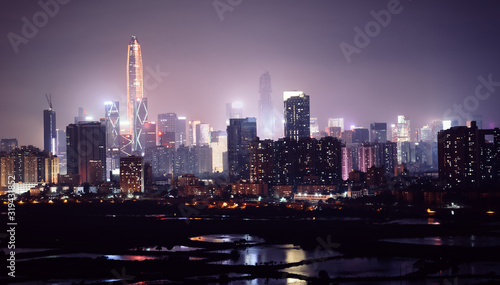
<point x="426" y="59"/>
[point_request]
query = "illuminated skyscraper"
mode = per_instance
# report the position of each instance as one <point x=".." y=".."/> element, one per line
<point x="112" y="116"/>
<point x="49" y="130"/>
<point x="297" y="115"/>
<point x="266" y="115"/>
<point x="137" y="111"/>
<point x="402" y="130"/>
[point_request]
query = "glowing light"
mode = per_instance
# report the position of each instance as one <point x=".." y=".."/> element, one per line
<point x="431" y="211"/>
<point x="490" y="212"/>
<point x="288" y="94"/>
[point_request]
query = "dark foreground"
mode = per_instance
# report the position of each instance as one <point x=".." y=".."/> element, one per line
<point x="127" y="228"/>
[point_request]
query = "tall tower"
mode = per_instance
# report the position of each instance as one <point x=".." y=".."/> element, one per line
<point x="297" y="115"/>
<point x="137" y="111"/>
<point x="240" y="133"/>
<point x="49" y="128"/>
<point x="266" y="114"/>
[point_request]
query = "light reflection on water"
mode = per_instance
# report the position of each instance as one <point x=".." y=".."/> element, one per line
<point x="287" y="253"/>
<point x="467" y="241"/>
<point x="228" y="238"/>
<point x="357" y="267"/>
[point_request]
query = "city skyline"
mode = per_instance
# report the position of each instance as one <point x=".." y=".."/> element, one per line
<point x="401" y="71"/>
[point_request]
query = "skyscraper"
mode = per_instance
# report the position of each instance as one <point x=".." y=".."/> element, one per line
<point x="137" y="110"/>
<point x="402" y="134"/>
<point x="112" y="116"/>
<point x="296" y="114"/>
<point x="234" y="110"/>
<point x="86" y="142"/>
<point x="336" y="122"/>
<point x="378" y="132"/>
<point x="240" y="133"/>
<point x="49" y="130"/>
<point x="266" y="123"/>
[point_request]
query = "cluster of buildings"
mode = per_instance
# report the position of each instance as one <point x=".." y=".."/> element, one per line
<point x="175" y="151"/>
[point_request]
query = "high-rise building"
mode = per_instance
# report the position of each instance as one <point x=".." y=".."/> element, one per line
<point x="161" y="160"/>
<point x="336" y="122"/>
<point x="266" y="120"/>
<point x="425" y="134"/>
<point x="203" y="154"/>
<point x="437" y="126"/>
<point x="469" y="156"/>
<point x="219" y="151"/>
<point x="181" y="134"/>
<point x="6" y="170"/>
<point x="112" y="117"/>
<point x="234" y="110"/>
<point x="240" y="133"/>
<point x="329" y="164"/>
<point x="149" y="130"/>
<point x="203" y="134"/>
<point x="131" y="175"/>
<point x="61" y="151"/>
<point x="261" y="161"/>
<point x="192" y="132"/>
<point x="314" y="128"/>
<point x="86" y="142"/>
<point x="346" y="162"/>
<point x="137" y="110"/>
<point x="366" y="157"/>
<point x="49" y="130"/>
<point x="402" y="134"/>
<point x="296" y="115"/>
<point x="378" y="132"/>
<point x="167" y="122"/>
<point x="360" y="135"/>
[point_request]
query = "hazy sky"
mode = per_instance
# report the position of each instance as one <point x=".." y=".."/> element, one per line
<point x="421" y="62"/>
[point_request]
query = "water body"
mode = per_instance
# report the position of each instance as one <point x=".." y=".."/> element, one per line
<point x="465" y="241"/>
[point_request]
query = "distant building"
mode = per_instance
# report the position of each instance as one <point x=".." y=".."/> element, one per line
<point x="360" y="135"/>
<point x="296" y="115"/>
<point x="149" y="130"/>
<point x="49" y="131"/>
<point x="266" y="120"/>
<point x="219" y="151"/>
<point x="131" y="175"/>
<point x="378" y="132"/>
<point x="240" y="133"/>
<point x="336" y="122"/>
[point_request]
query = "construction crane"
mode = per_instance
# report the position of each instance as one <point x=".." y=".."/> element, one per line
<point x="49" y="100"/>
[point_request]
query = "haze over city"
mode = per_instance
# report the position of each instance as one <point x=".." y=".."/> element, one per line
<point x="427" y="58"/>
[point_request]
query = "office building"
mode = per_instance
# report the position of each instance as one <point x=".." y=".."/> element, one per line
<point x="266" y="120"/>
<point x="296" y="115"/>
<point x="240" y="133"/>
